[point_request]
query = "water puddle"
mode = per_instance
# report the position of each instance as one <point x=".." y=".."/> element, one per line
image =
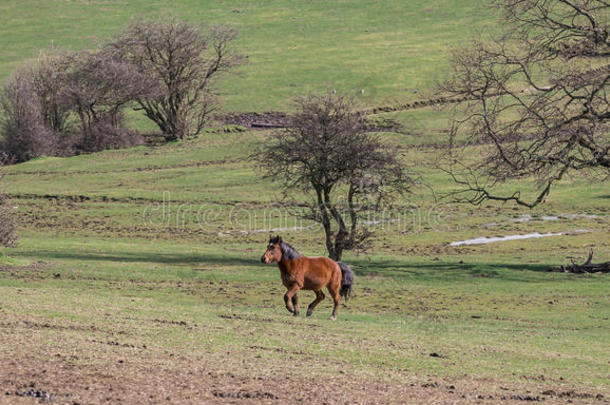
<point x="484" y="239"/>
<point x="377" y="222"/>
<point x="286" y="229"/>
<point x="267" y="230"/>
<point x="528" y="217"/>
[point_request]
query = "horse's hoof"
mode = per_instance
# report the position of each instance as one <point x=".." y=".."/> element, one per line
<point x="295" y="313"/>
<point x="332" y="318"/>
<point x="309" y="313"/>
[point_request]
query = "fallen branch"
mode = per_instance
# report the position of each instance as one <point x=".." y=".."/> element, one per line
<point x="586" y="267"/>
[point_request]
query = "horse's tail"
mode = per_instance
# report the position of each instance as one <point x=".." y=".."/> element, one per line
<point x="347" y="279"/>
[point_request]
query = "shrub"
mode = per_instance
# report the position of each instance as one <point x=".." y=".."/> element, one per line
<point x="107" y="132"/>
<point x="24" y="132"/>
<point x="72" y="102"/>
<point x="49" y="78"/>
<point x="97" y="88"/>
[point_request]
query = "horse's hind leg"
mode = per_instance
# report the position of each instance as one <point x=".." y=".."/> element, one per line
<point x="295" y="305"/>
<point x="319" y="297"/>
<point x="333" y="289"/>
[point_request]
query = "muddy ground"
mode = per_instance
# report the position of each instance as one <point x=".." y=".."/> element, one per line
<point x="42" y="361"/>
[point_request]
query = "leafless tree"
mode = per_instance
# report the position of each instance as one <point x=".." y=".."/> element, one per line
<point x="24" y="133"/>
<point x="37" y="118"/>
<point x="97" y="88"/>
<point x="49" y="77"/>
<point x="537" y="99"/>
<point x="342" y="171"/>
<point x="184" y="62"/>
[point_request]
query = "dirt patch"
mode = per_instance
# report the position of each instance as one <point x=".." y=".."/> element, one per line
<point x="280" y="350"/>
<point x="245" y="395"/>
<point x="32" y="271"/>
<point x="78" y="369"/>
<point x="183" y="324"/>
<point x="42" y="396"/>
<point x="115" y="343"/>
<point x="573" y="394"/>
<point x="136" y="382"/>
<point x="147" y="168"/>
<point x="276" y="119"/>
<point x="254" y="120"/>
<point x="170" y="322"/>
<point x="234" y="316"/>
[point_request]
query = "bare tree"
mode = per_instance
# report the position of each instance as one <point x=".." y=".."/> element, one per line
<point x="49" y="77"/>
<point x="24" y="133"/>
<point x="537" y="99"/>
<point x="37" y="117"/>
<point x="184" y="62"/>
<point x="97" y="88"/>
<point x="342" y="171"/>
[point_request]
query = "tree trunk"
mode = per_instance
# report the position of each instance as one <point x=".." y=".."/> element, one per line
<point x="325" y="220"/>
<point x="336" y="254"/>
<point x="342" y="233"/>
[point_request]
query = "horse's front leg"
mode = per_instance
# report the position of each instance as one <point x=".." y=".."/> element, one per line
<point x="288" y="299"/>
<point x="295" y="304"/>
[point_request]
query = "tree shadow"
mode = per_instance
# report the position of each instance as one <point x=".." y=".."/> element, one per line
<point x="160" y="258"/>
<point x="451" y="271"/>
<point x="391" y="269"/>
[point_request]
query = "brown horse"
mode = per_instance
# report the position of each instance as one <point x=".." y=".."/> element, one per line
<point x="308" y="273"/>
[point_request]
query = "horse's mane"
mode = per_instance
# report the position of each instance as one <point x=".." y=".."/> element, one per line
<point x="288" y="251"/>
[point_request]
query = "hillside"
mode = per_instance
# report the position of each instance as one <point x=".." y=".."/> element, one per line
<point x="138" y="276"/>
<point x="388" y="51"/>
<point x="159" y="248"/>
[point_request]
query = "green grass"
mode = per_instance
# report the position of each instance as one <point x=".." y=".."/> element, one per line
<point x="174" y="233"/>
<point x="492" y="311"/>
<point x="388" y="49"/>
<point x="488" y="317"/>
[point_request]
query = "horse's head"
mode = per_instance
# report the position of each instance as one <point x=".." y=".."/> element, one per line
<point x="273" y="254"/>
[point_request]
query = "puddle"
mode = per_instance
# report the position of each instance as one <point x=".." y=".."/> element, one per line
<point x="484" y="239"/>
<point x="528" y="217"/>
<point x="268" y="230"/>
<point x="297" y="228"/>
<point x="287" y="229"/>
<point x="377" y="222"/>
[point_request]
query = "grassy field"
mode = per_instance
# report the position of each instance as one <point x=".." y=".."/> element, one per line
<point x="137" y="278"/>
<point x="388" y="49"/>
<point x="146" y="262"/>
